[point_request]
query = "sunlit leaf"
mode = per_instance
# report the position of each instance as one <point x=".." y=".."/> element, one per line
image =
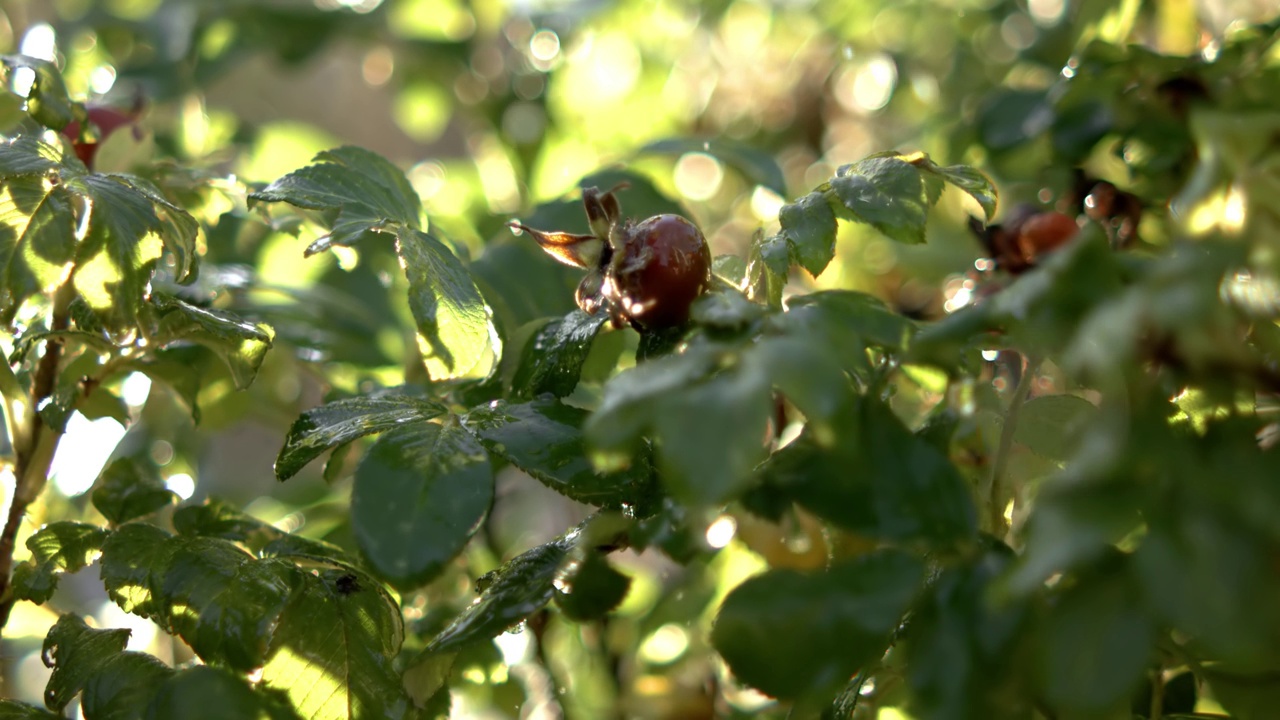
<point x="456" y="331"/>
<point x="591" y="588"/>
<point x="178" y="229"/>
<point x="56" y="548"/>
<point x="333" y="424"/>
<point x="809" y="226"/>
<point x="37" y="239"/>
<point x="332" y="649"/>
<point x="420" y="493"/>
<point x="48" y="102"/>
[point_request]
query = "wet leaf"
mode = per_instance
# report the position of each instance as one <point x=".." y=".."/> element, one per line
<point x="420" y="493"/>
<point x="888" y="193"/>
<point x="552" y="360"/>
<point x="544" y="438"/>
<point x="241" y="344"/>
<point x="76" y="652"/>
<point x="37" y="239"/>
<point x="332" y="424"/>
<point x="207" y="693"/>
<point x="510" y="594"/>
<point x="809" y="226"/>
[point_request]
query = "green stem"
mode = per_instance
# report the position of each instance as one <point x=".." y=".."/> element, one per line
<point x="1157" y="694"/>
<point x="996" y="491"/>
<point x="34" y="447"/>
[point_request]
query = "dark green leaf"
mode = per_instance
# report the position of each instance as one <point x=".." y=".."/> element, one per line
<point x="128" y="489"/>
<point x="591" y="588"/>
<point x="456" y="332"/>
<point x="888" y="193"/>
<point x="725" y="311"/>
<point x="218" y="598"/>
<point x="544" y="438"/>
<point x="420" y="493"/>
<point x="756" y="166"/>
<point x="809" y="226"/>
<point x="963" y="650"/>
<point x="1096" y="643"/>
<point x="630" y="398"/>
<point x="220" y="520"/>
<point x="1050" y="424"/>
<point x="875" y="477"/>
<point x="509" y="595"/>
<point x="77" y="653"/>
<point x="207" y="693"/>
<point x="791" y="634"/>
<point x="1013" y="117"/>
<point x="55" y="548"/>
<point x="37" y="239"/>
<point x="241" y="344"/>
<point x="123" y="686"/>
<point x="552" y="360"/>
<point x="48" y="102"/>
<point x="332" y="650"/>
<point x="342" y="421"/>
<point x="178" y="368"/>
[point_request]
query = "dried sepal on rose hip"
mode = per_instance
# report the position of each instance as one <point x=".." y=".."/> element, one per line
<point x="645" y="274"/>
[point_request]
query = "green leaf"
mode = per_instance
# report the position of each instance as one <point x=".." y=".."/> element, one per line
<point x="368" y="192"/>
<point x="336" y="423"/>
<point x="218" y="598"/>
<point x="768" y="264"/>
<point x="591" y="588"/>
<point x="553" y="358"/>
<point x="877" y="478"/>
<point x="709" y="429"/>
<point x="241" y="344"/>
<point x="420" y="493"/>
<point x="1209" y="578"/>
<point x="178" y="368"/>
<point x="1095" y="646"/>
<point x="791" y="634"/>
<point x="964" y="655"/>
<point x="725" y="311"/>
<point x="178" y="229"/>
<point x="77" y="653"/>
<point x="207" y="693"/>
<point x="55" y="548"/>
<point x="1050" y="424"/>
<point x="757" y="167"/>
<point x="129" y="489"/>
<point x="888" y="193"/>
<point x="28" y="155"/>
<point x="456" y="332"/>
<point x="114" y="262"/>
<point x="809" y="226"/>
<point x="48" y="102"/>
<point x="544" y="438"/>
<point x="37" y="239"/>
<point x="509" y="595"/>
<point x="220" y="520"/>
<point x="123" y="686"/>
<point x="332" y="650"/>
<point x="979" y="186"/>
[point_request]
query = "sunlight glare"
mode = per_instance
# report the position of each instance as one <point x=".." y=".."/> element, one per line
<point x="82" y="453"/>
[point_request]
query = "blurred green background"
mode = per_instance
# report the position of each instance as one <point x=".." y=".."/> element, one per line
<point x="492" y="108"/>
